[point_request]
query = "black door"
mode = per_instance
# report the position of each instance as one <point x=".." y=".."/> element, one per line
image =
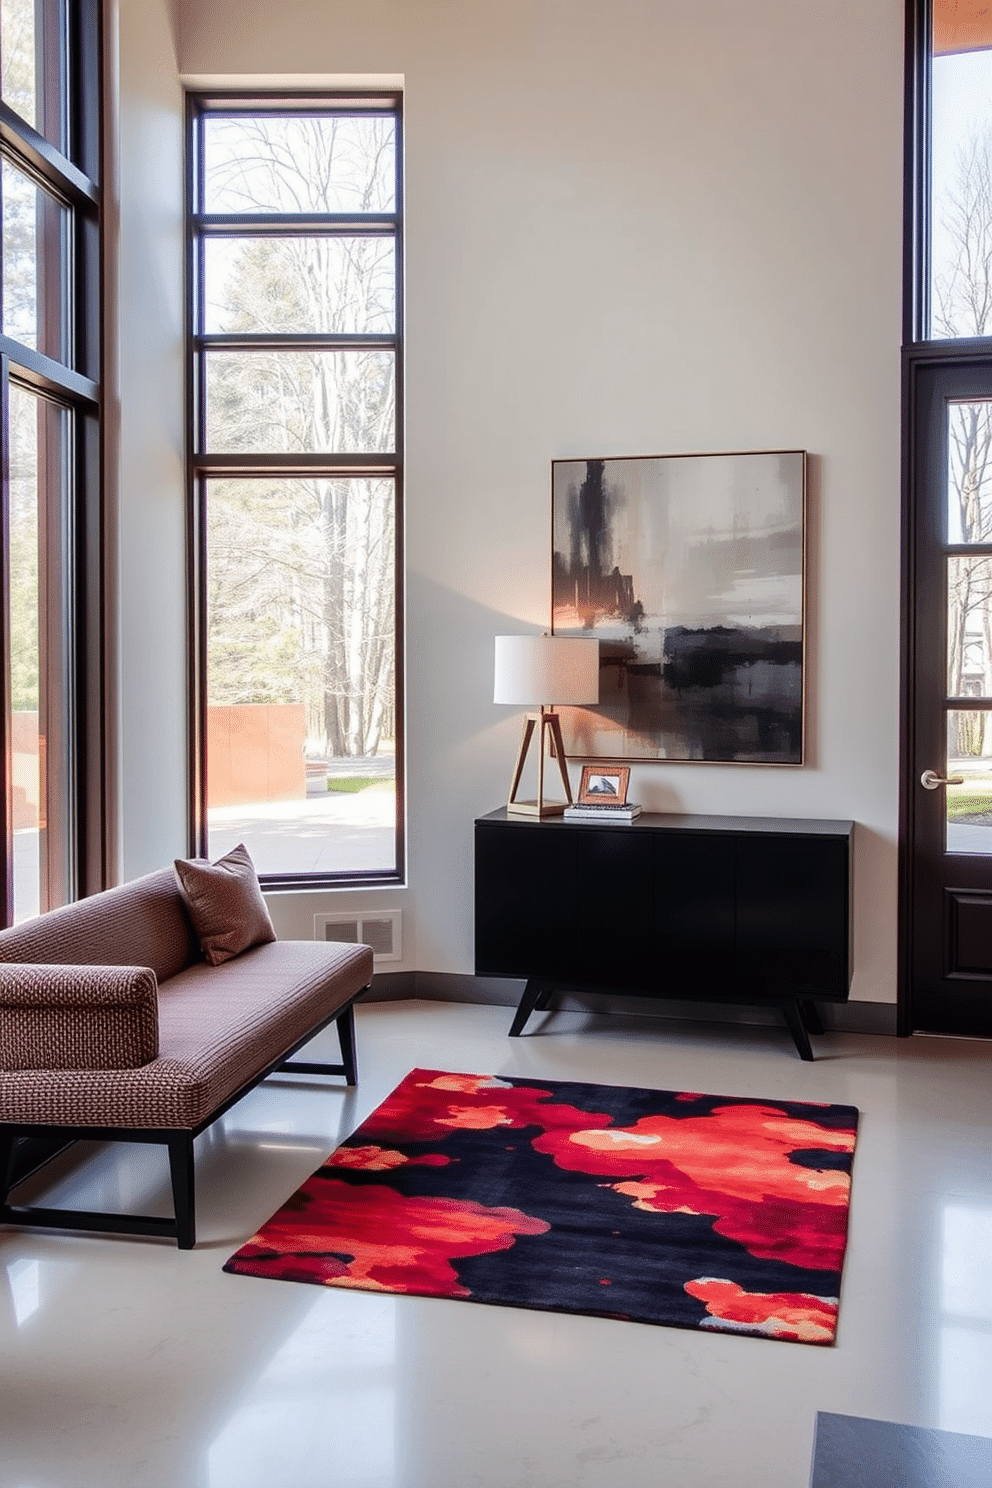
<point x="947" y="755"/>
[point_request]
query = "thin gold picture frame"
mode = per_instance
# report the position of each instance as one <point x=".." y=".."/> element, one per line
<point x="604" y="784"/>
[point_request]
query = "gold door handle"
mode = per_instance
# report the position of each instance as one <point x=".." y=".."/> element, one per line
<point x="930" y="780"/>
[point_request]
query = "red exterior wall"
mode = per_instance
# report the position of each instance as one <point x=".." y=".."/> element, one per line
<point x="24" y="746"/>
<point x="255" y="753"/>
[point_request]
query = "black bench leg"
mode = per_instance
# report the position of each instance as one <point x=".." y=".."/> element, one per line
<point x="346" y="1038"/>
<point x="794" y="1018"/>
<point x="183" y="1195"/>
<point x="533" y="993"/>
<point x="7" y="1141"/>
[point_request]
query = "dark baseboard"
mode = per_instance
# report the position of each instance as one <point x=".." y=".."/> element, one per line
<point x="391" y="986"/>
<point x="437" y="986"/>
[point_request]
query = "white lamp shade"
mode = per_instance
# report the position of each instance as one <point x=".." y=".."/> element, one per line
<point x="535" y="670"/>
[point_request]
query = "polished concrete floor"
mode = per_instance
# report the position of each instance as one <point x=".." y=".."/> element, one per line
<point x="125" y="1362"/>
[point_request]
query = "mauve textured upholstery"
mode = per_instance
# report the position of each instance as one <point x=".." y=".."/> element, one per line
<point x="52" y="1018"/>
<point x="142" y="923"/>
<point x="218" y="1026"/>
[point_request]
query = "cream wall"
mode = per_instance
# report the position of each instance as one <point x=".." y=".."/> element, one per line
<point x="639" y="228"/>
<point x="146" y="439"/>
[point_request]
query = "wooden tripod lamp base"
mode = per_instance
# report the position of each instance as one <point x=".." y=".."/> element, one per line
<point x="547" y="725"/>
<point x="542" y="671"/>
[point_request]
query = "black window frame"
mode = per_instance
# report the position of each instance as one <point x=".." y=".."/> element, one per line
<point x="73" y="178"/>
<point x="917" y="195"/>
<point x="203" y="464"/>
<point x="916" y="174"/>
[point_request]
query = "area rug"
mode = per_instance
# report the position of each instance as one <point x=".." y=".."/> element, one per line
<point x="694" y="1211"/>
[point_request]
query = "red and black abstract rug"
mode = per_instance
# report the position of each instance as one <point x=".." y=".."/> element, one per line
<point x="695" y="1211"/>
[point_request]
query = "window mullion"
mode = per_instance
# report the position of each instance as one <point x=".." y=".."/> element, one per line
<point x="40" y="160"/>
<point x="334" y="467"/>
<point x="278" y="341"/>
<point x="47" y="376"/>
<point x="285" y="225"/>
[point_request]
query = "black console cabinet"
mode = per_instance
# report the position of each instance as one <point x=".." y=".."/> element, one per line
<point x="700" y="908"/>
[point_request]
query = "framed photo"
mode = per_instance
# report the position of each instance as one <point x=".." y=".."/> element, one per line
<point x="604" y="784"/>
<point x="690" y="571"/>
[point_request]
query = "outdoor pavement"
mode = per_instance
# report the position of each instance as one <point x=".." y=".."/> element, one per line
<point x="328" y="833"/>
<point x="969" y="837"/>
<point x="381" y="766"/>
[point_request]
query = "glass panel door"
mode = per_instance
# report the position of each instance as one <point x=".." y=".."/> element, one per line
<point x="968" y="567"/>
<point x="56" y="696"/>
<point x="948" y="801"/>
<point x="39" y="659"/>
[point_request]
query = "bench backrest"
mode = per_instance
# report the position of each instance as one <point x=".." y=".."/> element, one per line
<point x="142" y="923"/>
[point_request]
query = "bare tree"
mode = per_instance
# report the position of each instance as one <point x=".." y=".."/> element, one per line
<point x="22" y="223"/>
<point x="962" y="295"/>
<point x="306" y="565"/>
<point x="963" y="287"/>
<point x="17" y="56"/>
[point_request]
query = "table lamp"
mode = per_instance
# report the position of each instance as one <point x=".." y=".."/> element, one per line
<point x="542" y="672"/>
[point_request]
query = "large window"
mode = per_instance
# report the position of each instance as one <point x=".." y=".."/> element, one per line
<point x="52" y="703"/>
<point x="295" y="453"/>
<point x="960" y="76"/>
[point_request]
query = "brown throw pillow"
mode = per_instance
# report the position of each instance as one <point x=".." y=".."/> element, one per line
<point x="225" y="903"/>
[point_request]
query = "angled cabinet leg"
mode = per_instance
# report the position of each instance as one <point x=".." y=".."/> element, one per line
<point x="183" y="1195"/>
<point x="528" y="1002"/>
<point x="810" y="1015"/>
<point x="793" y="1016"/>
<point x="346" y="1038"/>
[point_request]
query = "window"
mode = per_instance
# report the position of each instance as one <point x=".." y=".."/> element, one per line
<point x="950" y="136"/>
<point x="953" y="130"/>
<point x="50" y="390"/>
<point x="296" y="434"/>
<point x="946" y="747"/>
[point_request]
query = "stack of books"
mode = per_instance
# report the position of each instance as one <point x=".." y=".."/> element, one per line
<point x="603" y="811"/>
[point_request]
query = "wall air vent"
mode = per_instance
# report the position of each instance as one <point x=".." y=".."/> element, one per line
<point x="383" y="931"/>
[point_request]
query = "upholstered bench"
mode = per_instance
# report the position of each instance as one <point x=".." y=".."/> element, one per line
<point x="115" y="1026"/>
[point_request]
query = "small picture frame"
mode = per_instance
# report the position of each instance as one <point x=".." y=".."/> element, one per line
<point x="604" y="785"/>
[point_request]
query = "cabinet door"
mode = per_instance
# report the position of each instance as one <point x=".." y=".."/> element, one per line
<point x="694" y="917"/>
<point x="526" y="899"/>
<point x="792" y="916"/>
<point x="615" y="878"/>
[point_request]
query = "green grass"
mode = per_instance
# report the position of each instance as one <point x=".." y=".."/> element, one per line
<point x="351" y="783"/>
<point x="971" y="804"/>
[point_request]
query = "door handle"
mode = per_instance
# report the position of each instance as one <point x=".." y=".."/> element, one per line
<point x="930" y="780"/>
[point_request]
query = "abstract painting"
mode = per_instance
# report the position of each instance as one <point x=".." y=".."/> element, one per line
<point x="689" y="570"/>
